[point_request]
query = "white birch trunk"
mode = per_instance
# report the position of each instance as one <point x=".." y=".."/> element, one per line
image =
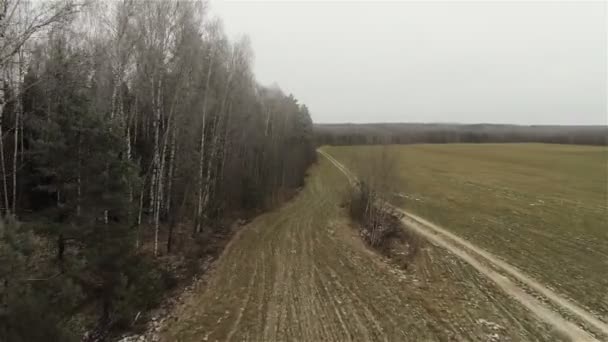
<point x="128" y="141"/>
<point x="199" y="211"/>
<point x="210" y="163"/>
<point x="114" y="99"/>
<point x="78" y="183"/>
<point x="172" y="151"/>
<point x="135" y="126"/>
<point x="18" y="115"/>
<point x="217" y="132"/>
<point x="139" y="213"/>
<point x="15" y="154"/>
<point x="2" y="164"/>
<point x="220" y="175"/>
<point x="156" y="153"/>
<point x="21" y="155"/>
<point x="156" y="176"/>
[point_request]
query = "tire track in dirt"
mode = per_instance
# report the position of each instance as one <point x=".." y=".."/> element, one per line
<point x="244" y="305"/>
<point x="471" y="253"/>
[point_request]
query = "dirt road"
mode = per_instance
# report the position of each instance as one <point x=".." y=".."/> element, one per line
<point x="302" y="273"/>
<point x="479" y="258"/>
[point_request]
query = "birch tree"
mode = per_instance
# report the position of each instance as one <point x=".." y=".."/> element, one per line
<point x="140" y="106"/>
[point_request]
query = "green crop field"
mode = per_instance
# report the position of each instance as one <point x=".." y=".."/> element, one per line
<point x="543" y="208"/>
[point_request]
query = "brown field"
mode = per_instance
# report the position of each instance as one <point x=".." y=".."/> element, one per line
<point x="302" y="273"/>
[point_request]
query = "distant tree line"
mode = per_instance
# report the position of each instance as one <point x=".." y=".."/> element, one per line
<point x="120" y="121"/>
<point x="402" y="133"/>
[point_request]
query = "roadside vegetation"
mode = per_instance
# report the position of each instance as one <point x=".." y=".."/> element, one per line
<point x="540" y="207"/>
<point x="133" y="134"/>
<point x="378" y="223"/>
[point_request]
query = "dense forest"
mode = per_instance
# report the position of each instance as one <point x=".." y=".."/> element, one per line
<point x="410" y="133"/>
<point x="130" y="131"/>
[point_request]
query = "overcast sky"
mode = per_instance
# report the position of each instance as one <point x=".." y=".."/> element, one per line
<point x="469" y="62"/>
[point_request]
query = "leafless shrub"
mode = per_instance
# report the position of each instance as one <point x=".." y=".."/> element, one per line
<point x="379" y="224"/>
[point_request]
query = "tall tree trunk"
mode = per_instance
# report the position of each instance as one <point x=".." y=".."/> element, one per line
<point x="114" y="101"/>
<point x="21" y="155"/>
<point x="201" y="176"/>
<point x="161" y="175"/>
<point x="218" y="127"/>
<point x="79" y="181"/>
<point x="2" y="164"/>
<point x="160" y="186"/>
<point x="18" y="116"/>
<point x="224" y="152"/>
<point x="3" y="12"/>
<point x="211" y="163"/>
<point x="172" y="224"/>
<point x="134" y="117"/>
<point x="171" y="171"/>
<point x="156" y="176"/>
<point x="139" y="213"/>
<point x="178" y="211"/>
<point x="128" y="141"/>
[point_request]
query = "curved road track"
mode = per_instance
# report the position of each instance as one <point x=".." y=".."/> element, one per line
<point x="301" y="273"/>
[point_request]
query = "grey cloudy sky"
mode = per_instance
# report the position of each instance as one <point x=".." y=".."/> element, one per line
<point x="367" y="61"/>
